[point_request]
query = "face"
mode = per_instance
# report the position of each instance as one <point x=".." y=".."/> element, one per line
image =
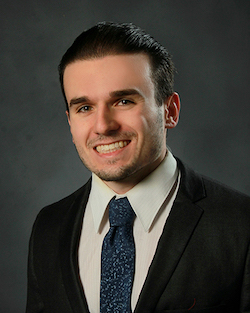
<point x="116" y="125"/>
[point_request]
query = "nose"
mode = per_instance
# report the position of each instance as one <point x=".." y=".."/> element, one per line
<point x="105" y="121"/>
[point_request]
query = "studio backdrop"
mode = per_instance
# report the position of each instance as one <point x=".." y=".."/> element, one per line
<point x="210" y="44"/>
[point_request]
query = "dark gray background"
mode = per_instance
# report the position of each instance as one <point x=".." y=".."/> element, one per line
<point x="210" y="44"/>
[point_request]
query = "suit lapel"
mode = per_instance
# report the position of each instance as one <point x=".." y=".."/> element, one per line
<point x="70" y="237"/>
<point x="179" y="227"/>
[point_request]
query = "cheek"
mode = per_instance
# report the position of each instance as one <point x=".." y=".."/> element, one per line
<point x="137" y="120"/>
<point x="141" y="124"/>
<point x="152" y="122"/>
<point x="154" y="130"/>
<point x="78" y="133"/>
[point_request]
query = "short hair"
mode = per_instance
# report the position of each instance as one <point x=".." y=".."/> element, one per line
<point x="109" y="38"/>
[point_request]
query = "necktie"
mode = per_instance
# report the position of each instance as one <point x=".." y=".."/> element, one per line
<point x="118" y="259"/>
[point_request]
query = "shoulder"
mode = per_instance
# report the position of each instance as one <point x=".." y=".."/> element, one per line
<point x="227" y="204"/>
<point x="54" y="214"/>
<point x="224" y="193"/>
<point x="214" y="197"/>
<point x="200" y="186"/>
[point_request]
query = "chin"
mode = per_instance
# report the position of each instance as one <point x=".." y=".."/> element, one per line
<point x="111" y="176"/>
<point x="117" y="175"/>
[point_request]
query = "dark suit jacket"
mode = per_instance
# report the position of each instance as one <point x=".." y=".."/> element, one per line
<point x="202" y="262"/>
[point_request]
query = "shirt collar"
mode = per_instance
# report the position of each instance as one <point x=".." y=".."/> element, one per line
<point x="146" y="197"/>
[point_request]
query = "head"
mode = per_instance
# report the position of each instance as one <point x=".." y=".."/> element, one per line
<point x="118" y="85"/>
<point x="108" y="38"/>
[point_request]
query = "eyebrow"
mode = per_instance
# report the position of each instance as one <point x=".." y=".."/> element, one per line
<point x="113" y="94"/>
<point x="125" y="92"/>
<point x="75" y="101"/>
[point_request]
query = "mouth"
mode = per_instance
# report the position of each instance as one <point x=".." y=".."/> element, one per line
<point x="112" y="147"/>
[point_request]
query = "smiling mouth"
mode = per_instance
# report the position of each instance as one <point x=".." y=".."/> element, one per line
<point x="112" y="147"/>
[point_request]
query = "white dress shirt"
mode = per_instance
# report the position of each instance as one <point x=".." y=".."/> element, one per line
<point x="151" y="200"/>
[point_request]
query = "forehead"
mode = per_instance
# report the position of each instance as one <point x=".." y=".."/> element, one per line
<point x="109" y="73"/>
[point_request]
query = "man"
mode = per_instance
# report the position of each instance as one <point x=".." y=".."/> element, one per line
<point x="188" y="246"/>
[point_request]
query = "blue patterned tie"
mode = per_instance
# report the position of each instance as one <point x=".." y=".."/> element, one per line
<point x="118" y="259"/>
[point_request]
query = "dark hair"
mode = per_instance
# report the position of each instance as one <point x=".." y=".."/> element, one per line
<point x="108" y="38"/>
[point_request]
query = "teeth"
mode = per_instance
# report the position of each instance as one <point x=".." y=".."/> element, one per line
<point x="112" y="147"/>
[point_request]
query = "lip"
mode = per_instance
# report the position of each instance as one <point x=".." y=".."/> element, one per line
<point x="108" y="148"/>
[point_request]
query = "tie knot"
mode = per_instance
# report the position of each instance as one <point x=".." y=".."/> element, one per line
<point x="120" y="212"/>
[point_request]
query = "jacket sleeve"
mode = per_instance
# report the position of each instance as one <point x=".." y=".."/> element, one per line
<point x="34" y="300"/>
<point x="245" y="294"/>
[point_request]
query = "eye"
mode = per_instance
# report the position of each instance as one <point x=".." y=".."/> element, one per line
<point x="124" y="102"/>
<point x="85" y="108"/>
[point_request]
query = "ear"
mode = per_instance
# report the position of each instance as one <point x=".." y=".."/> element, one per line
<point x="68" y="117"/>
<point x="172" y="110"/>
